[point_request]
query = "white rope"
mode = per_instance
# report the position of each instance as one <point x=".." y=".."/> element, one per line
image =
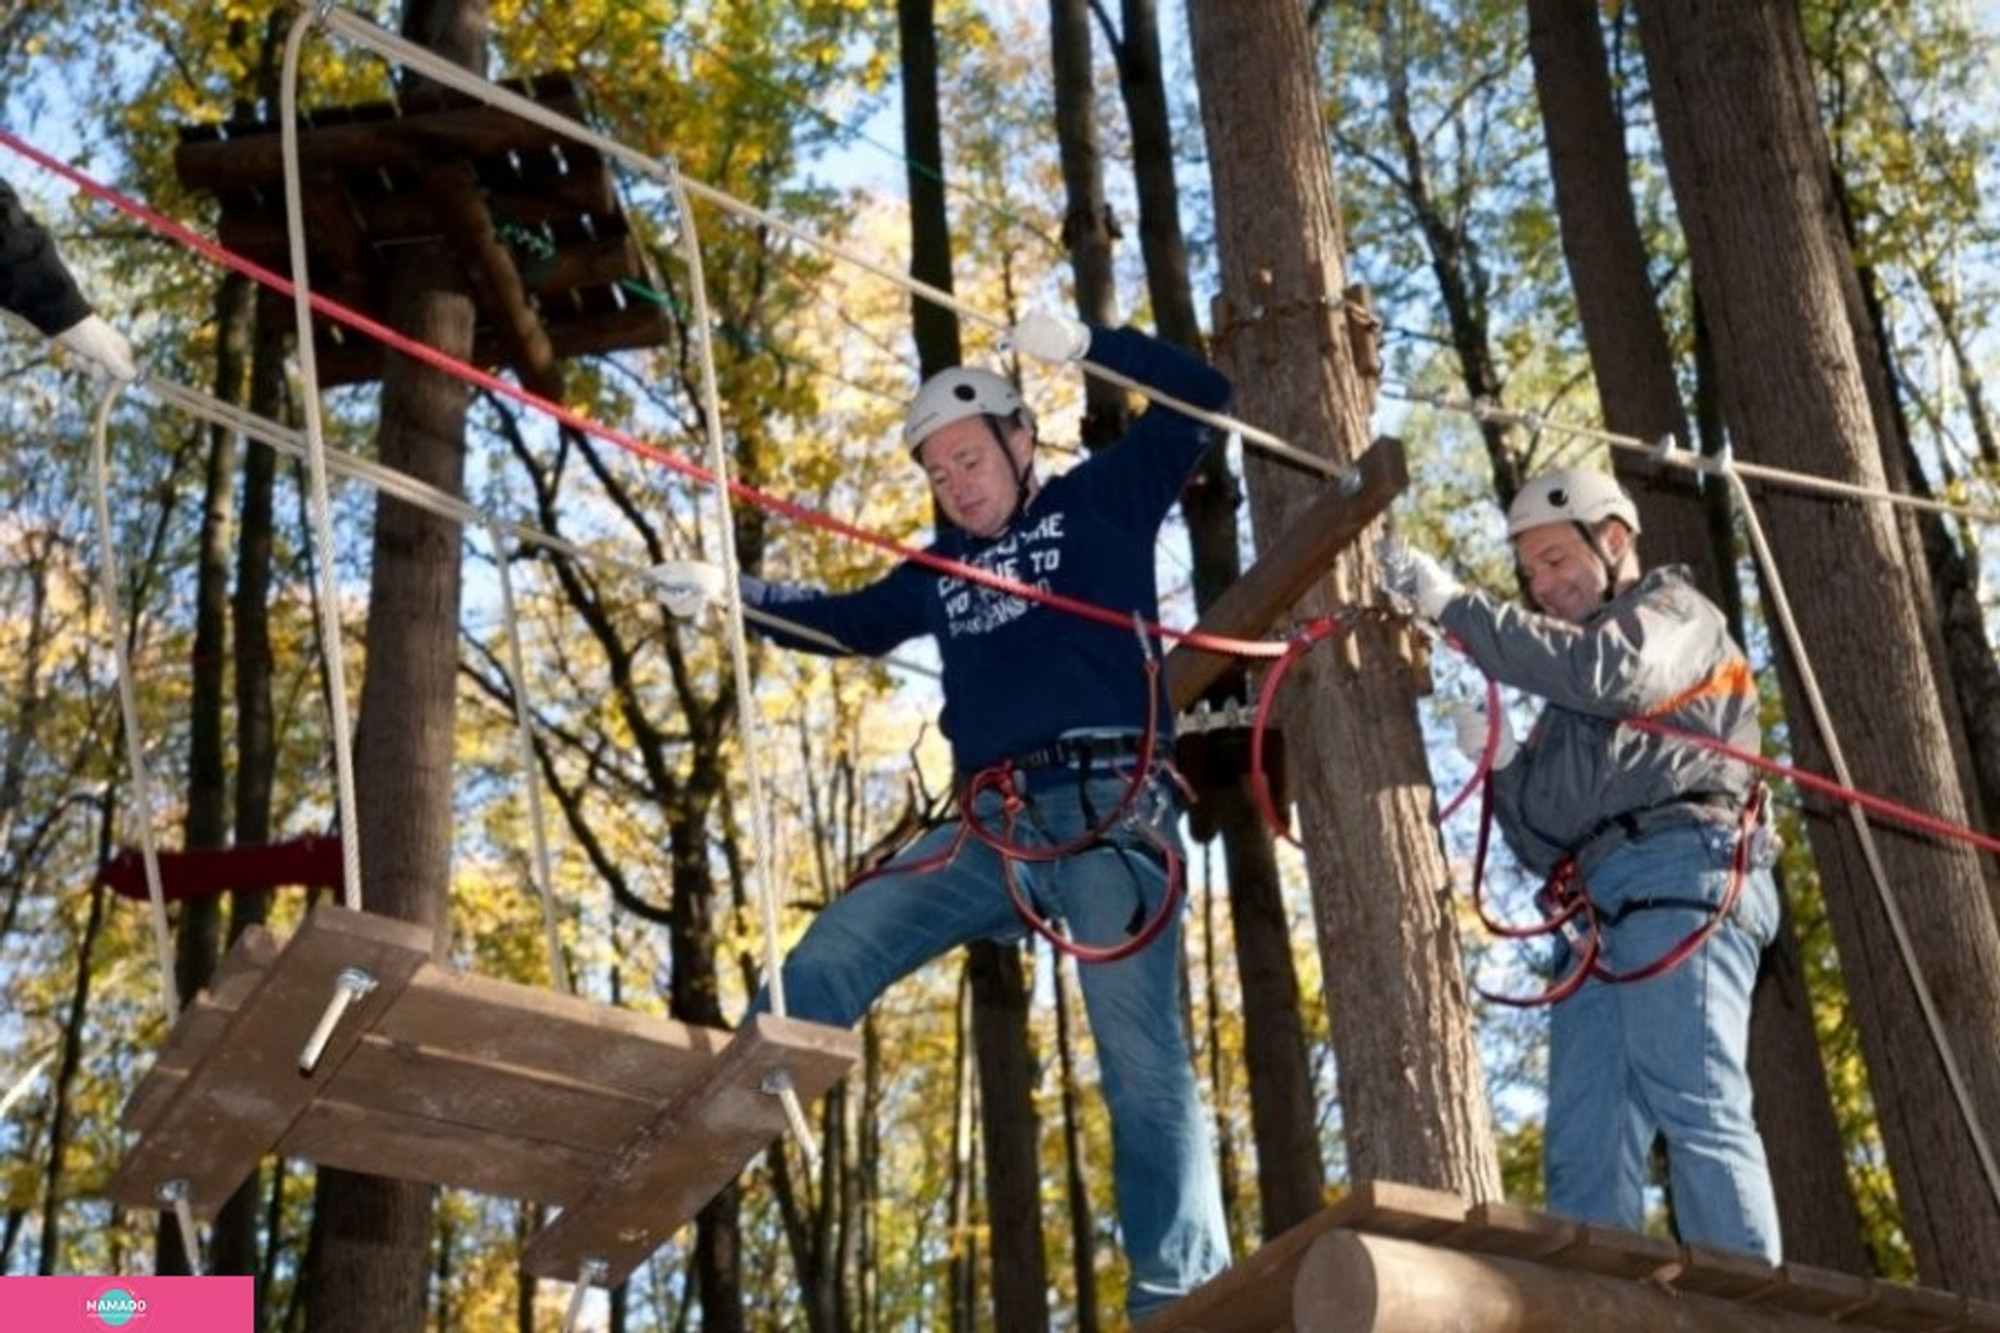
<point x="434" y="67"/>
<point x="763" y="867"/>
<point x="1878" y="873"/>
<point x="332" y="648"/>
<point x="517" y="679"/>
<point x="128" y="704"/>
<point x="1661" y="452"/>
<point x="142" y="780"/>
<point x="19" y="1088"/>
<point x="412" y="491"/>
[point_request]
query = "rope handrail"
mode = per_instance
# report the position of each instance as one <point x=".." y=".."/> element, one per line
<point x="1663" y="452"/>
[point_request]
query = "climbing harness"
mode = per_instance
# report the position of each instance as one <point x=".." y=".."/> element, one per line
<point x="1567" y="909"/>
<point x="1142" y="807"/>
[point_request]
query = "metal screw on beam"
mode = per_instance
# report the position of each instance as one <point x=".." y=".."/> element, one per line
<point x="1351" y="481"/>
<point x="173" y="1191"/>
<point x="349" y="986"/>
<point x="777" y="1082"/>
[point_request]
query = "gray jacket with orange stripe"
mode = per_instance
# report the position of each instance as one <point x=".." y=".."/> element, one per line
<point x="1659" y="650"/>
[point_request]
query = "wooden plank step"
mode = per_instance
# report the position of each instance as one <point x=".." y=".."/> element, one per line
<point x="203" y="1021"/>
<point x="383" y="1142"/>
<point x="690" y="1149"/>
<point x="506" y="1023"/>
<point x="241" y="1099"/>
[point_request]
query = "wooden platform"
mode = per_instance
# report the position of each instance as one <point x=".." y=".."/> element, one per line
<point x="533" y="216"/>
<point x="629" y="1123"/>
<point x="1395" y="1259"/>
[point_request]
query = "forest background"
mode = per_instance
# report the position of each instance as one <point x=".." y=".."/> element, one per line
<point x="1436" y="118"/>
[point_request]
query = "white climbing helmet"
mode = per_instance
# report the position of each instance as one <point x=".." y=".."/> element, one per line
<point x="1570" y="495"/>
<point x="958" y="393"/>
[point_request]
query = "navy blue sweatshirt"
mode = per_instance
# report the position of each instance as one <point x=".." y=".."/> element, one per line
<point x="1019" y="673"/>
<point x="34" y="284"/>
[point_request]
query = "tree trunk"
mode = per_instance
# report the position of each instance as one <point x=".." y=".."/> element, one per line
<point x="1440" y="222"/>
<point x="1636" y="384"/>
<point x="923" y="147"/>
<point x="1088" y="230"/>
<point x="962" y="1269"/>
<point x="1076" y="1163"/>
<point x="69" y="1068"/>
<point x="367" y="1264"/>
<point x="1622" y="327"/>
<point x="235" y="1240"/>
<point x="1284" y="1109"/>
<point x="1412" y="1093"/>
<point x="1749" y="169"/>
<point x="1011" y="1134"/>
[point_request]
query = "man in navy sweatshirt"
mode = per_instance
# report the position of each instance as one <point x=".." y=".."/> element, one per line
<point x="1048" y="713"/>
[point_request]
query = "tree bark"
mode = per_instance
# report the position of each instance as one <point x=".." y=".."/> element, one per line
<point x="367" y="1264"/>
<point x="1412" y="1093"/>
<point x="1076" y="1163"/>
<point x="1749" y="170"/>
<point x="1011" y="1135"/>
<point x="923" y="148"/>
<point x="1088" y="231"/>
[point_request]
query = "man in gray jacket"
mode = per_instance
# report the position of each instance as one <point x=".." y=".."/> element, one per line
<point x="37" y="286"/>
<point x="1643" y="823"/>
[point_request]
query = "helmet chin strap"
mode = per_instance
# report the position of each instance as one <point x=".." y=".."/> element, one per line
<point x="1590" y="539"/>
<point x="1021" y="473"/>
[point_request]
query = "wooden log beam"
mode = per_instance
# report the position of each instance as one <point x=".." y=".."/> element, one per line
<point x="489" y="266"/>
<point x="1292" y="564"/>
<point x="240" y="154"/>
<point x="1352" y="1282"/>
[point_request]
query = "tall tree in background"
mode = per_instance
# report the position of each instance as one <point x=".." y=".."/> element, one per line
<point x="371" y="1237"/>
<point x="999" y="983"/>
<point x="1284" y="1109"/>
<point x="1750" y="173"/>
<point x="1634" y="370"/>
<point x="1412" y="1098"/>
<point x="1089" y="232"/>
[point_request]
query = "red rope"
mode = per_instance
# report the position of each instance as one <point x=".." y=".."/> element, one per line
<point x="1901" y="814"/>
<point x="492" y="383"/>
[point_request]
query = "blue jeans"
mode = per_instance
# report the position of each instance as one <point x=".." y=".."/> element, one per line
<point x="1163" y="1161"/>
<point x="1666" y="1054"/>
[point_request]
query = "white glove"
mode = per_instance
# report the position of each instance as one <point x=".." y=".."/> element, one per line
<point x="1409" y="574"/>
<point x="101" y="348"/>
<point x="687" y="586"/>
<point x="1047" y="336"/>
<point x="1470" y="724"/>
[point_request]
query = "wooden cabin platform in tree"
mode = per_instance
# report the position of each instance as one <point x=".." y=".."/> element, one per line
<point x="533" y="216"/>
<point x="627" y="1122"/>
<point x="1395" y="1259"/>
